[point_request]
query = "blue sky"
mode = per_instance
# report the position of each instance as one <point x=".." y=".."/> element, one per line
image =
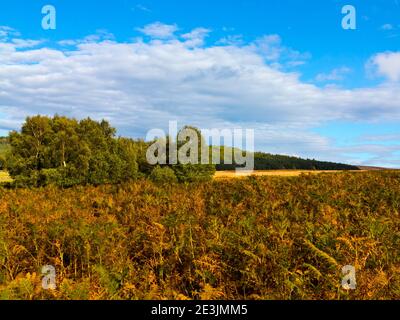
<point x="330" y="93"/>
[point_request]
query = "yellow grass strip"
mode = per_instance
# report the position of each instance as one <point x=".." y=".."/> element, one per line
<point x="5" y="177"/>
<point x="279" y="173"/>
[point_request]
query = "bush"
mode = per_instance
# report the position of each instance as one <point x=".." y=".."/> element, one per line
<point x="50" y="176"/>
<point x="163" y="174"/>
<point x="194" y="173"/>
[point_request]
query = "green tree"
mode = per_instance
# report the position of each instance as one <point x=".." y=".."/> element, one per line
<point x="30" y="149"/>
<point x="184" y="155"/>
<point x="195" y="170"/>
<point x="66" y="152"/>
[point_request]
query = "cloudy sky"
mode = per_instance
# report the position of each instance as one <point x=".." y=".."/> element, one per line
<point x="285" y="68"/>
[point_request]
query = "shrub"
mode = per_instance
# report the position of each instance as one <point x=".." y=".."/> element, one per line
<point x="163" y="174"/>
<point x="194" y="173"/>
<point x="50" y="176"/>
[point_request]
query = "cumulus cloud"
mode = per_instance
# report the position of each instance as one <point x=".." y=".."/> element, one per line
<point x="337" y="74"/>
<point x="100" y="35"/>
<point x="232" y="40"/>
<point x="6" y="32"/>
<point x="159" y="30"/>
<point x="196" y="37"/>
<point x="141" y="85"/>
<point x="272" y="49"/>
<point x="386" y="64"/>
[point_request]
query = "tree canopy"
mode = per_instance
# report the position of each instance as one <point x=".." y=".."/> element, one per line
<point x="66" y="152"/>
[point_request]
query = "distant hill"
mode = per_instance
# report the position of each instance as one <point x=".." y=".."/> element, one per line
<point x="267" y="161"/>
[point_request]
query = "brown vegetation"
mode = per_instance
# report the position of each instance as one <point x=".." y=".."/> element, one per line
<point x="252" y="238"/>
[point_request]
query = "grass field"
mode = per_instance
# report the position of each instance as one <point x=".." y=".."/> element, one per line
<point x="280" y="173"/>
<point x="4" y="176"/>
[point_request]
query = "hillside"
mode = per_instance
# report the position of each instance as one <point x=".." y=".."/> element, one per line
<point x="267" y="161"/>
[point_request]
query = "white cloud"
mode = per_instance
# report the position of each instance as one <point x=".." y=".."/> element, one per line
<point x="142" y="85"/>
<point x="7" y="32"/>
<point x="271" y="48"/>
<point x="196" y="37"/>
<point x="386" y="64"/>
<point x="100" y="35"/>
<point x="335" y="75"/>
<point x="232" y="40"/>
<point x="382" y="137"/>
<point x="159" y="30"/>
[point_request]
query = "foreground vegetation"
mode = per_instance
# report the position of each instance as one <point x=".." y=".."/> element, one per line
<point x="251" y="238"/>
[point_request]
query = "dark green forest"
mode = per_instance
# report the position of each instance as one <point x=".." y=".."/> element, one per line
<point x="267" y="161"/>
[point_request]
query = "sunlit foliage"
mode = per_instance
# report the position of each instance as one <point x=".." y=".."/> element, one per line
<point x="252" y="238"/>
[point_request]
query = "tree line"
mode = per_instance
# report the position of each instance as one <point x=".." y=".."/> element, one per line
<point x="66" y="152"/>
